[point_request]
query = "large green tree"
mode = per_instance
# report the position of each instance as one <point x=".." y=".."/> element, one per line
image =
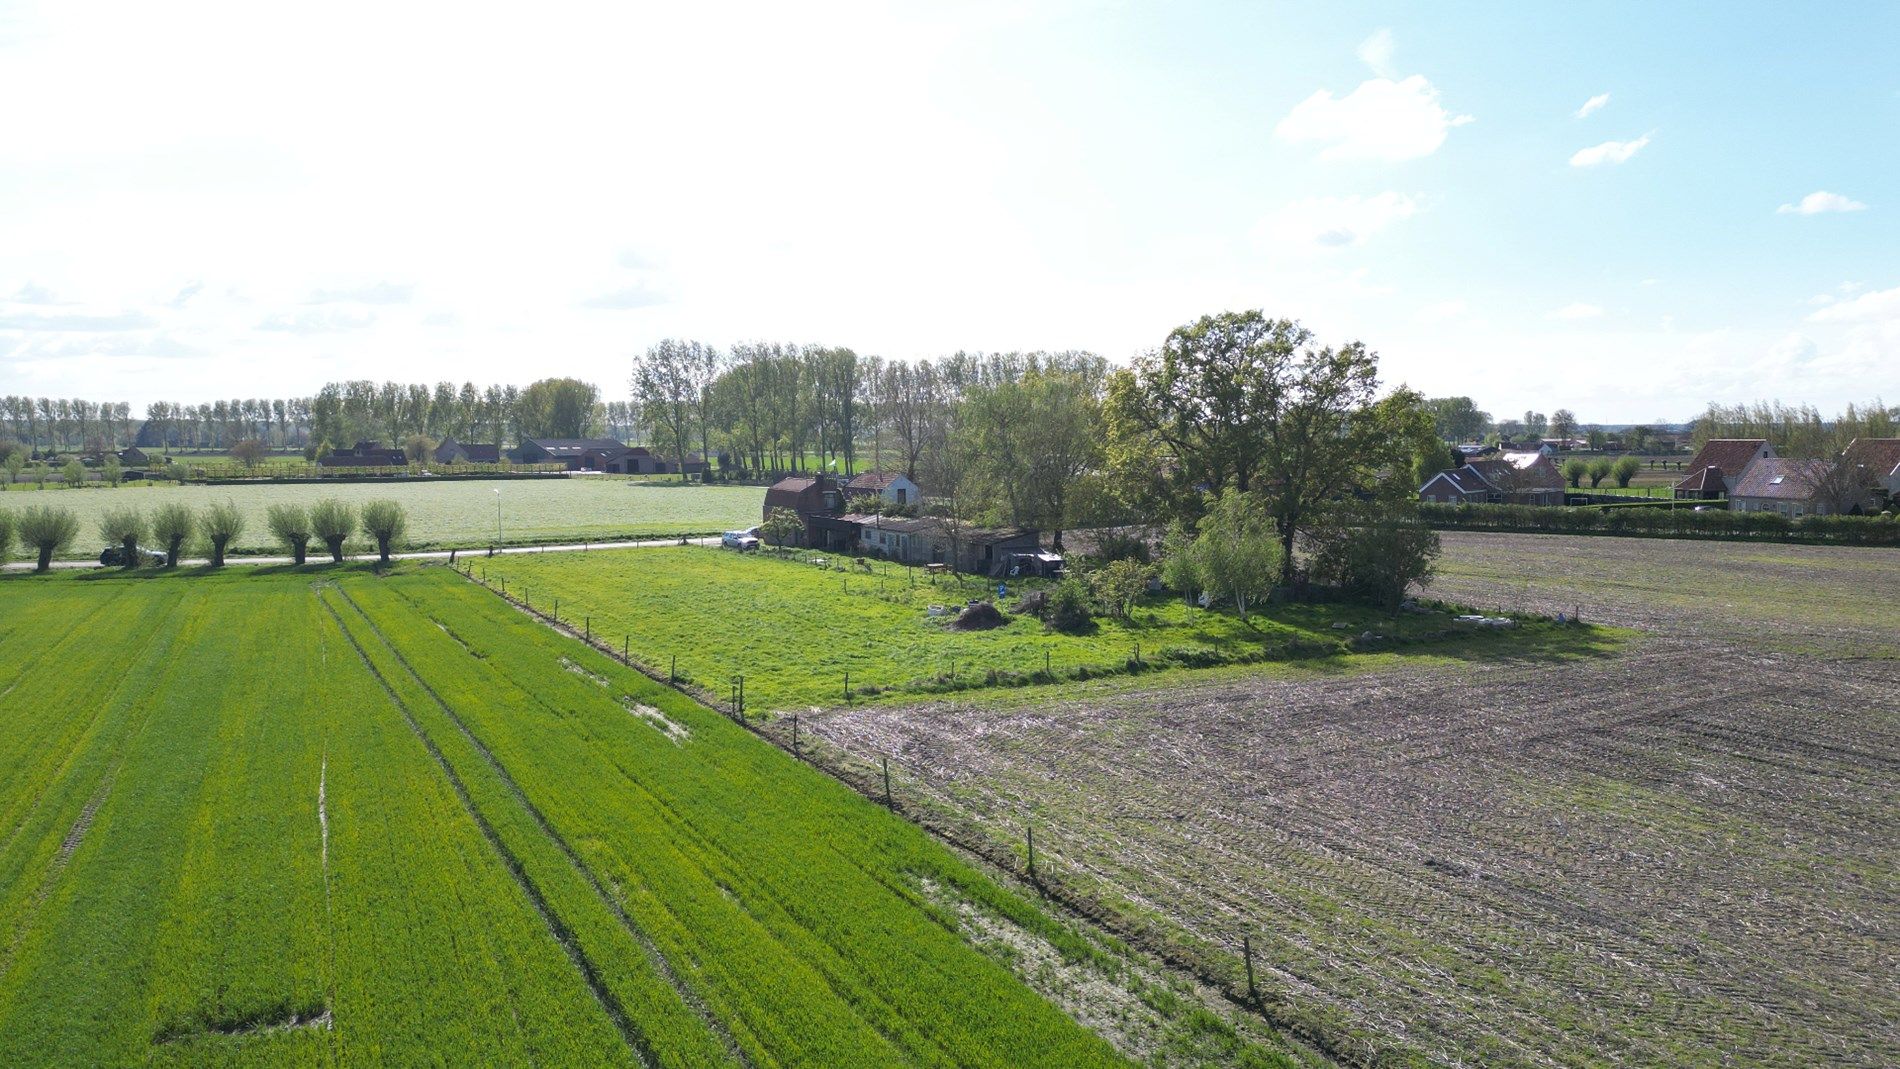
<point x="1028" y="441"/>
<point x="557" y="408"/>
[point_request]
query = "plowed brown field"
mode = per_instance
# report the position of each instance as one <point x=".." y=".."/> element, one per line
<point x="1685" y="852"/>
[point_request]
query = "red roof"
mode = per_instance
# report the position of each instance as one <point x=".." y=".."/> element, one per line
<point x="874" y="480"/>
<point x="1880" y="455"/>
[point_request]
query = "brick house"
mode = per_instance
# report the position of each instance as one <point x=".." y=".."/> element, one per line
<point x="1524" y="478"/>
<point x="1782" y="484"/>
<point x="894" y="487"/>
<point x="1719" y="465"/>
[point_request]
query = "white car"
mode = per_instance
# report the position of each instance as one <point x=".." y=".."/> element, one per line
<point x="743" y="541"/>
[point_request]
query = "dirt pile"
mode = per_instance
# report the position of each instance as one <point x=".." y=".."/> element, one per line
<point x="978" y="616"/>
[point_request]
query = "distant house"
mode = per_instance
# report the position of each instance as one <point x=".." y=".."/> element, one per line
<point x="1719" y="465"/>
<point x="575" y="454"/>
<point x="364" y="455"/>
<point x="454" y="452"/>
<point x="133" y="455"/>
<point x="1527" y="478"/>
<point x="1875" y="464"/>
<point x="1782" y="484"/>
<point x="894" y="487"/>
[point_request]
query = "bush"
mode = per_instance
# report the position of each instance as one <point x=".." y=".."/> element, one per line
<point x="1068" y="607"/>
<point x="291" y="526"/>
<point x="173" y="524"/>
<point x="332" y="521"/>
<point x="221" y="524"/>
<point x="126" y="527"/>
<point x="384" y="522"/>
<point x="74" y="473"/>
<point x="1119" y="584"/>
<point x="6" y="535"/>
<point x="48" y="530"/>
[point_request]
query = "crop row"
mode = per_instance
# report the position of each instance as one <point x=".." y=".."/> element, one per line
<point x="783" y="904"/>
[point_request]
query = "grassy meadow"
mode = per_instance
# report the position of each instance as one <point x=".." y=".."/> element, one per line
<point x="793" y="629"/>
<point x="436" y="832"/>
<point x="443" y="514"/>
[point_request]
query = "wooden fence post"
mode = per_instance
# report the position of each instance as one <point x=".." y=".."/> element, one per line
<point x="1246" y="953"/>
<point x="887" y="783"/>
<point x="847" y="688"/>
<point x="796" y="751"/>
<point x="673" y="670"/>
<point x="587" y="628"/>
<point x="626" y="643"/>
<point x="1030" y="831"/>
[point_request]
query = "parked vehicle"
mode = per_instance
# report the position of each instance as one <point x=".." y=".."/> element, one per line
<point x="114" y="557"/>
<point x="742" y="541"/>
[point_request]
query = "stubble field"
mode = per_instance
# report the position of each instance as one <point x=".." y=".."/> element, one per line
<point x="1683" y="851"/>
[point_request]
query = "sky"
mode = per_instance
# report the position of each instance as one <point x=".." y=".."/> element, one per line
<point x="1624" y="209"/>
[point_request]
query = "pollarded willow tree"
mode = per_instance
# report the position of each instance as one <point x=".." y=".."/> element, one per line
<point x="173" y="524"/>
<point x="332" y="520"/>
<point x="290" y="524"/>
<point x="6" y="535"/>
<point x="48" y="529"/>
<point x="221" y="524"/>
<point x="1241" y="402"/>
<point x="385" y="523"/>
<point x="125" y="526"/>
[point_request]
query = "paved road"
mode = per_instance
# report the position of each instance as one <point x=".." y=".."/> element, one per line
<point x="317" y="556"/>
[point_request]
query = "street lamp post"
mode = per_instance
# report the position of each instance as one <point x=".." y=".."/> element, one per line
<point x="497" y="493"/>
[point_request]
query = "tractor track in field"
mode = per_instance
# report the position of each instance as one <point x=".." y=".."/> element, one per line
<point x="655" y="958"/>
<point x="630" y="1034"/>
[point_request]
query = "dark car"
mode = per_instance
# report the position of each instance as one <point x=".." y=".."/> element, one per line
<point x="114" y="557"/>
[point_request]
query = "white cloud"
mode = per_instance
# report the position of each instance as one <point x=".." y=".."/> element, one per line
<point x="1873" y="307"/>
<point x="320" y="319"/>
<point x="1595" y="103"/>
<point x="1821" y="201"/>
<point x="1380" y="120"/>
<point x="1608" y="152"/>
<point x="638" y="296"/>
<point x="1577" y="311"/>
<point x="1334" y="222"/>
<point x="371" y="293"/>
<point x="1376" y="52"/>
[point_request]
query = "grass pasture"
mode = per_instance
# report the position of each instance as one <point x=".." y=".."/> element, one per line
<point x="443" y="514"/>
<point x="793" y="629"/>
<point x="433" y="831"/>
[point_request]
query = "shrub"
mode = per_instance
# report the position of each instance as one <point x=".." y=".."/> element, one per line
<point x="48" y="530"/>
<point x="332" y="521"/>
<point x="1119" y="584"/>
<point x="291" y="526"/>
<point x="249" y="451"/>
<point x="126" y="527"/>
<point x="73" y="474"/>
<point x="1068" y="607"/>
<point x="6" y="535"/>
<point x="1374" y="550"/>
<point x="384" y="522"/>
<point x="112" y="470"/>
<point x="173" y="524"/>
<point x="221" y="524"/>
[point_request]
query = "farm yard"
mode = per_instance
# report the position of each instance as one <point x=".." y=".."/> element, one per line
<point x="435" y="831"/>
<point x="1684" y="850"/>
<point x="443" y="514"/>
<point x="794" y="630"/>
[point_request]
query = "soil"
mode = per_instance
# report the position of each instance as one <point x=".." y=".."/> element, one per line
<point x="1685" y="852"/>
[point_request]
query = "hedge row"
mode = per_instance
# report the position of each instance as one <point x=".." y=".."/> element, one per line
<point x="1715" y="522"/>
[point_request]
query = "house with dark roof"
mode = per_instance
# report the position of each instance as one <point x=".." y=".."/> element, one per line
<point x="575" y="454"/>
<point x="818" y="501"/>
<point x="1526" y="478"/>
<point x="364" y="455"/>
<point x="1783" y="484"/>
<point x="1730" y="458"/>
<point x="993" y="551"/>
<point x="451" y="451"/>
<point x="893" y="487"/>
<point x="1875" y="466"/>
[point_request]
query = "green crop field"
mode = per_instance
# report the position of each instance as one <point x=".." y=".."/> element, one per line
<point x="445" y="513"/>
<point x="723" y="614"/>
<point x="322" y="816"/>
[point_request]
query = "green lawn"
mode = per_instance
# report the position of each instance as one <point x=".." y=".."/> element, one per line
<point x="447" y="513"/>
<point x="793" y="629"/>
<point x="325" y="817"/>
